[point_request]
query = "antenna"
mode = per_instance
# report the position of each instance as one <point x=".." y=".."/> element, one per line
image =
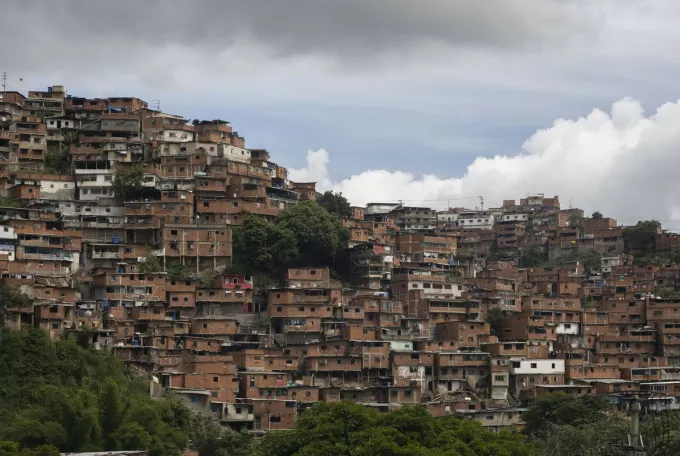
<point x="156" y="104"/>
<point x="481" y="202"/>
<point x="4" y="81"/>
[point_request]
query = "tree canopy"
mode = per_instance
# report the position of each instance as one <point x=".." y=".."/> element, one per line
<point x="560" y="408"/>
<point x="335" y="203"/>
<point x="564" y="425"/>
<point x="531" y="256"/>
<point x="596" y="215"/>
<point x="318" y="235"/>
<point x="60" y="395"/>
<point x="348" y="428"/>
<point x="11" y="297"/>
<point x="641" y="238"/>
<point x="303" y="235"/>
<point x="127" y="181"/>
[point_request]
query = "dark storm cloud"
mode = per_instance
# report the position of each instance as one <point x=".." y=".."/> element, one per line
<point x="335" y="28"/>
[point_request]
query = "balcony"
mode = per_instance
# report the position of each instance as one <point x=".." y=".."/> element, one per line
<point x="93" y="171"/>
<point x="95" y="184"/>
<point x="47" y="257"/>
<point x="105" y="255"/>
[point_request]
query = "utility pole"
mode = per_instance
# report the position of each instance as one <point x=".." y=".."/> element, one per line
<point x="635" y="445"/>
<point x="4" y="81"/>
<point x="481" y="202"/>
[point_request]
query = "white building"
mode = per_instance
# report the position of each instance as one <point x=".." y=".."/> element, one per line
<point x="379" y="208"/>
<point x="175" y="135"/>
<point x="567" y="328"/>
<point x="448" y="216"/>
<point x="95" y="186"/>
<point x="8" y="241"/>
<point x="57" y="189"/>
<point x="476" y="220"/>
<point x="438" y="290"/>
<point x="515" y="218"/>
<point x="233" y="153"/>
<point x="56" y="123"/>
<point x="522" y="366"/>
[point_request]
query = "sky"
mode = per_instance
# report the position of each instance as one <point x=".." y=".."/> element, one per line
<point x="432" y="102"/>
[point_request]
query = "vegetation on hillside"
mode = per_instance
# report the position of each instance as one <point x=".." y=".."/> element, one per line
<point x="11" y="297"/>
<point x="335" y="203"/>
<point x="566" y="425"/>
<point x="531" y="256"/>
<point x="353" y="429"/>
<point x="590" y="260"/>
<point x="303" y="235"/>
<point x="64" y="396"/>
<point x="8" y="202"/>
<point x="127" y="181"/>
<point x="640" y="239"/>
<point x="58" y="156"/>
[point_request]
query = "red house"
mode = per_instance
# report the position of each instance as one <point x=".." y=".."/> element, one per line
<point x="237" y="281"/>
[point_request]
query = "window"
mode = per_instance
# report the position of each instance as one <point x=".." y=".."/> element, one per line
<point x="533" y="365"/>
<point x="216" y="379"/>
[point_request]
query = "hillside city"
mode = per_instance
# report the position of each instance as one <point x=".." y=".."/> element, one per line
<point x="139" y="229"/>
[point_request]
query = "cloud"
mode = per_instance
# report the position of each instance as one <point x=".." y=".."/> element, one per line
<point x="346" y="28"/>
<point x="622" y="163"/>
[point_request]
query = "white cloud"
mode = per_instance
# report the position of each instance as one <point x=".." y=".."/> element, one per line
<point x="622" y="163"/>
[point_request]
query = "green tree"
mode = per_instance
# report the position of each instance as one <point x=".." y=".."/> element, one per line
<point x="11" y="297"/>
<point x="253" y="246"/>
<point x="596" y="215"/>
<point x="531" y="256"/>
<point x="335" y="203"/>
<point x="111" y="410"/>
<point x="129" y="436"/>
<point x="641" y="238"/>
<point x="178" y="271"/>
<point x="75" y="399"/>
<point x="128" y="180"/>
<point x="349" y="428"/>
<point x="603" y="438"/>
<point x="8" y="202"/>
<point x="561" y="408"/>
<point x="210" y="439"/>
<point x="150" y="264"/>
<point x="496" y="319"/>
<point x="8" y="448"/>
<point x="319" y="236"/>
<point x="303" y="235"/>
<point x="58" y="157"/>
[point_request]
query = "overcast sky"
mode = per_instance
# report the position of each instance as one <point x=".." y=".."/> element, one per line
<point x="395" y="99"/>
